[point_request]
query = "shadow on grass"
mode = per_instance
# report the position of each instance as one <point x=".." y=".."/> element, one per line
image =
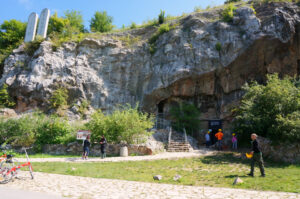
<point x="230" y="158"/>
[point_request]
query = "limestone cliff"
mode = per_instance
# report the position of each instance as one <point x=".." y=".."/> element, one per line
<point x="186" y="65"/>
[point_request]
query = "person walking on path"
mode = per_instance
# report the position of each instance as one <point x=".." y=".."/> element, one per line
<point x="219" y="137"/>
<point x="207" y="139"/>
<point x="234" y="141"/>
<point x="257" y="156"/>
<point x="103" y="147"/>
<point x="86" y="148"/>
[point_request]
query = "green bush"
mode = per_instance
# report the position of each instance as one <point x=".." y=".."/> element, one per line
<point x="59" y="98"/>
<point x="31" y="47"/>
<point x="228" y="13"/>
<point x="52" y="130"/>
<point x="270" y="110"/>
<point x="5" y="99"/>
<point x="125" y="124"/>
<point x="161" y="17"/>
<point x="101" y="22"/>
<point x="185" y="116"/>
<point x="36" y="130"/>
<point x="133" y="25"/>
<point x="218" y="46"/>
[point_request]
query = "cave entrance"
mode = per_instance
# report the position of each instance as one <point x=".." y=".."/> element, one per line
<point x="214" y="125"/>
<point x="160" y="117"/>
<point x="160" y="107"/>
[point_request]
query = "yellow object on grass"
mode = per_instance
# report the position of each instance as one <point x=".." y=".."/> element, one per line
<point x="249" y="155"/>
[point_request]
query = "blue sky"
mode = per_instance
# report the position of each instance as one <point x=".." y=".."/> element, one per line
<point x="123" y="11"/>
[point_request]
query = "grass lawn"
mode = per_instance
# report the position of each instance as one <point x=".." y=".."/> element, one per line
<point x="217" y="171"/>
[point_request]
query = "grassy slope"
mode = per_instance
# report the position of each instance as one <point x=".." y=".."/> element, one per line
<point x="216" y="171"/>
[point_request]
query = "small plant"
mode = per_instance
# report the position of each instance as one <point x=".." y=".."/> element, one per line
<point x="129" y="40"/>
<point x="231" y="1"/>
<point x="5" y="99"/>
<point x="133" y="25"/>
<point x="218" y="47"/>
<point x="59" y="98"/>
<point x="228" y="13"/>
<point x="161" y="30"/>
<point x="32" y="46"/>
<point x="83" y="107"/>
<point x="197" y="9"/>
<point x="161" y="17"/>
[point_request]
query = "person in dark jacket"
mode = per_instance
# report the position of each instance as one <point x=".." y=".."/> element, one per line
<point x="103" y="147"/>
<point x="257" y="157"/>
<point x="86" y="148"/>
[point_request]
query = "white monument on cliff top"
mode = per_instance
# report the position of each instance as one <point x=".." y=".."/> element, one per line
<point x="32" y="24"/>
<point x="31" y="27"/>
<point x="43" y="23"/>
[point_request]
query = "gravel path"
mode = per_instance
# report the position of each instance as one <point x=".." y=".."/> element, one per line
<point x="92" y="188"/>
<point x="166" y="155"/>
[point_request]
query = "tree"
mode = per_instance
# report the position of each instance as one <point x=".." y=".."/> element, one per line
<point x="185" y="116"/>
<point x="125" y="124"/>
<point x="57" y="24"/>
<point x="11" y="34"/>
<point x="101" y="22"/>
<point x="75" y="19"/>
<point x="271" y="110"/>
<point x="161" y="17"/>
<point x="5" y="99"/>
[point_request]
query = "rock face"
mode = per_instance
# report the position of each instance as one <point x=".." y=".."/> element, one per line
<point x="285" y="152"/>
<point x="185" y="67"/>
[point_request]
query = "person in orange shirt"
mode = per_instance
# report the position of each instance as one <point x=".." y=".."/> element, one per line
<point x="219" y="137"/>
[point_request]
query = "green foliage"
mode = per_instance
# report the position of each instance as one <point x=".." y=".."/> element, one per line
<point x="133" y="25"/>
<point x="197" y="9"/>
<point x="31" y="47"/>
<point x="101" y="22"/>
<point x="75" y="20"/>
<point x="185" y="116"/>
<point x="57" y="24"/>
<point x="161" y="17"/>
<point x="161" y="30"/>
<point x="5" y="99"/>
<point x="218" y="46"/>
<point x="228" y="13"/>
<point x="36" y="129"/>
<point x="270" y="110"/>
<point x="83" y="108"/>
<point x="231" y="1"/>
<point x="128" y="40"/>
<point x="59" y="98"/>
<point x="125" y="124"/>
<point x="11" y="35"/>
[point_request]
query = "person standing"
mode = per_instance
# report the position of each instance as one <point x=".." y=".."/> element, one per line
<point x="103" y="147"/>
<point x="219" y="137"/>
<point x="257" y="157"/>
<point x="86" y="148"/>
<point x="207" y="139"/>
<point x="234" y="141"/>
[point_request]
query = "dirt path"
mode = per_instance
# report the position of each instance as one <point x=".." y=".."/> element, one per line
<point x="92" y="188"/>
<point x="166" y="155"/>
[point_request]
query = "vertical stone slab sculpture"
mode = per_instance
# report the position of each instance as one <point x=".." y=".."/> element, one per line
<point x="43" y="23"/>
<point x="31" y="27"/>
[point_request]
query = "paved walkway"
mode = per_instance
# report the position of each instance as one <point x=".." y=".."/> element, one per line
<point x="92" y="188"/>
<point x="9" y="193"/>
<point x="166" y="155"/>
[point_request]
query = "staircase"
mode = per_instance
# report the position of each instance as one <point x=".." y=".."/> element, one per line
<point x="178" y="142"/>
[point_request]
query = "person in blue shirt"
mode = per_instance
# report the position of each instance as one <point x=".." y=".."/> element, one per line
<point x="207" y="139"/>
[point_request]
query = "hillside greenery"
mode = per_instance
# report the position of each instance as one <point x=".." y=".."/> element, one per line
<point x="271" y="110"/>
